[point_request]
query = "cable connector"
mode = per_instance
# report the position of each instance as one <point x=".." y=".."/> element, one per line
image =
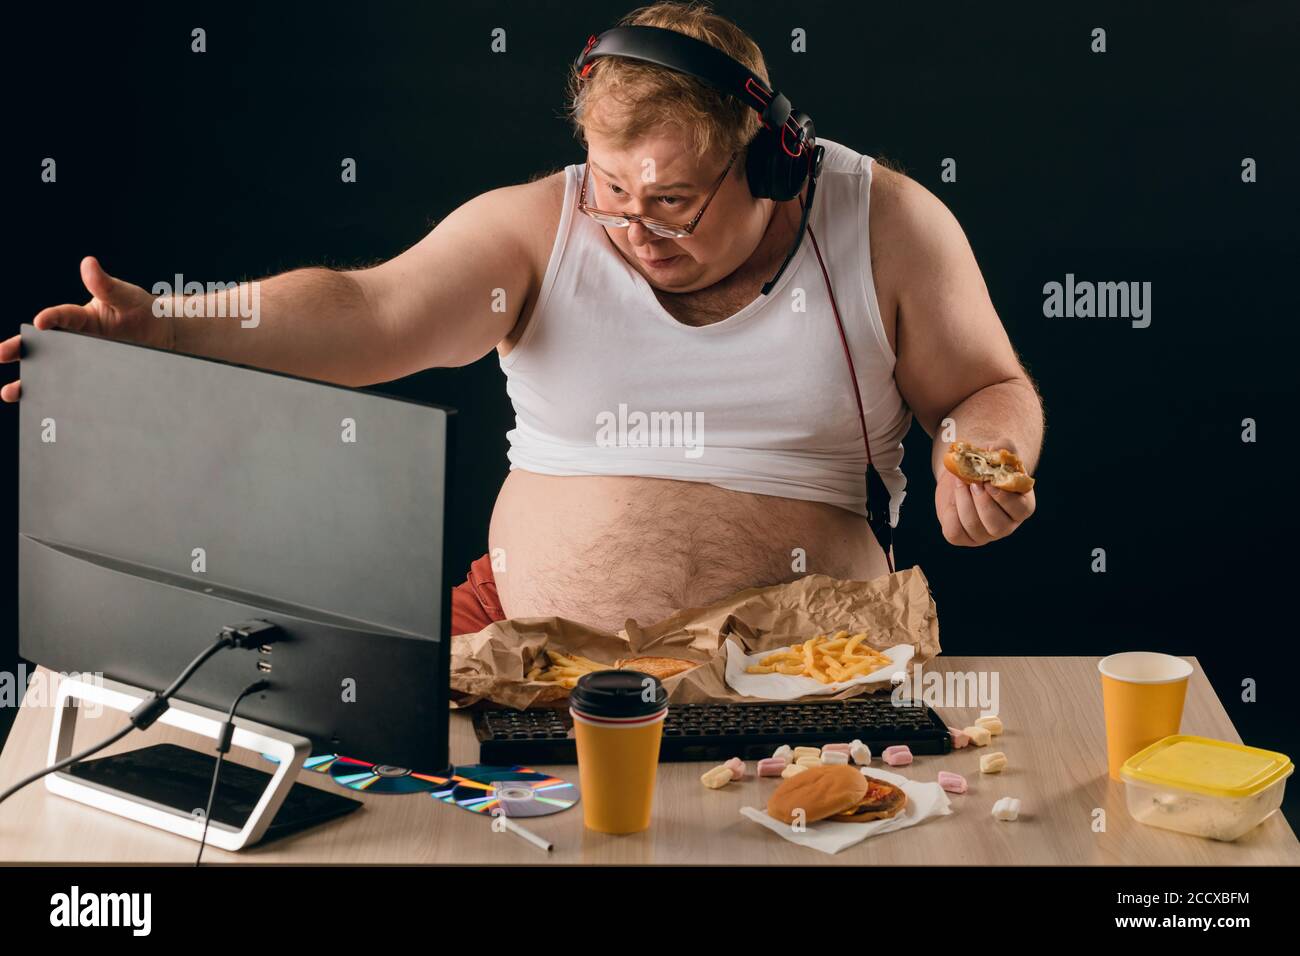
<point x="251" y="635"/>
<point x="228" y="728"/>
<point x="148" y="711"/>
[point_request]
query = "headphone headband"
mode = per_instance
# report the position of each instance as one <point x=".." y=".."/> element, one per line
<point x="685" y="54"/>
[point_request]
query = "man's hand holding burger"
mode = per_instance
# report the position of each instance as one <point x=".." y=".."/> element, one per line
<point x="973" y="512"/>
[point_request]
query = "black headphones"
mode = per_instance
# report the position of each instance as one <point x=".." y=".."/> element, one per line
<point x="781" y="157"/>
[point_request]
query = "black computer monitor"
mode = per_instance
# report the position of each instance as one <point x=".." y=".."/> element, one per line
<point x="163" y="497"/>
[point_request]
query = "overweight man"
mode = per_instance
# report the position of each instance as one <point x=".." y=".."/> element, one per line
<point x="604" y="319"/>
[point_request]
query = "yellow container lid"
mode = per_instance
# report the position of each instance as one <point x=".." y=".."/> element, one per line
<point x="1203" y="765"/>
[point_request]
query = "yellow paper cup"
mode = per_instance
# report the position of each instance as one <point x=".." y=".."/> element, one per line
<point x="1142" y="693"/>
<point x="618" y="720"/>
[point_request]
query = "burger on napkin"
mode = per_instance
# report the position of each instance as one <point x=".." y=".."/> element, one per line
<point x="835" y="792"/>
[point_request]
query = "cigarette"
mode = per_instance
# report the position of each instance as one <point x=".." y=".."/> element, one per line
<point x="528" y="835"/>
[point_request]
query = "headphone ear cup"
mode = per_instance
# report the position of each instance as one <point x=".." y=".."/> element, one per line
<point x="772" y="172"/>
<point x="760" y="164"/>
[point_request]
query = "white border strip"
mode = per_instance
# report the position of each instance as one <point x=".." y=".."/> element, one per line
<point x="618" y="723"/>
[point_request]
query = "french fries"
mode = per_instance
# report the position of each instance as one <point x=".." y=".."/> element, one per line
<point x="827" y="659"/>
<point x="563" y="669"/>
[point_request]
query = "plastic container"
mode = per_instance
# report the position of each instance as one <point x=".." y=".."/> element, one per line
<point x="1208" y="788"/>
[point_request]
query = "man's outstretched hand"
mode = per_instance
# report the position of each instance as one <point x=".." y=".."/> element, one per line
<point x="116" y="310"/>
<point x="972" y="515"/>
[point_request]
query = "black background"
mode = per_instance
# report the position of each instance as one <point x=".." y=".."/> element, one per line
<point x="1123" y="166"/>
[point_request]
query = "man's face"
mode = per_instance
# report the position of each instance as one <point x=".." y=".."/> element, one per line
<point x="659" y="178"/>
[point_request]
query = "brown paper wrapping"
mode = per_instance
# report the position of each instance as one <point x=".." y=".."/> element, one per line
<point x="895" y="609"/>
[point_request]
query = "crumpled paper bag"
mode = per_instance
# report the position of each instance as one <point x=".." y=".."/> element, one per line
<point x="924" y="800"/>
<point x="893" y="609"/>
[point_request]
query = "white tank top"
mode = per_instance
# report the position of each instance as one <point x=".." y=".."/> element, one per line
<point x="604" y="381"/>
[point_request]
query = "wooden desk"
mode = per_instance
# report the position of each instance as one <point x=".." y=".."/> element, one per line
<point x="1054" y="740"/>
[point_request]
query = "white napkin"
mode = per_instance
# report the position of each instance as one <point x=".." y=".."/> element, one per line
<point x="924" y="800"/>
<point x="789" y="686"/>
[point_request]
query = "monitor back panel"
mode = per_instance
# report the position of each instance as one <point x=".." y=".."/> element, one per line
<point x="170" y="492"/>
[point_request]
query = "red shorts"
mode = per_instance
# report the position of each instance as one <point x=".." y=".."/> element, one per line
<point x="474" y="604"/>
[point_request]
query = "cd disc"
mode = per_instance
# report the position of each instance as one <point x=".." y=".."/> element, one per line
<point x="317" y="762"/>
<point x="513" y="791"/>
<point x="381" y="778"/>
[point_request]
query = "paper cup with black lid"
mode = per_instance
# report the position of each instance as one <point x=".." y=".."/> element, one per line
<point x="618" y="720"/>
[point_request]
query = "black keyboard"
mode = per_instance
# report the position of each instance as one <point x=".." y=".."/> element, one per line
<point x="720" y="731"/>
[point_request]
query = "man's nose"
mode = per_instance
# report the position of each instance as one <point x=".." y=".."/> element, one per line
<point x="639" y="235"/>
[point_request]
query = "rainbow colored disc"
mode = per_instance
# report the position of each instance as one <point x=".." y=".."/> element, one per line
<point x="319" y="763"/>
<point x="513" y="791"/>
<point x="382" y="778"/>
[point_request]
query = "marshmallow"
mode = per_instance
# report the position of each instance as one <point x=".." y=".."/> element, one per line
<point x="793" y="770"/>
<point x="990" y="722"/>
<point x="716" y="778"/>
<point x="837" y="748"/>
<point x="1008" y="808"/>
<point x="979" y="736"/>
<point x="959" y="738"/>
<point x="784" y="752"/>
<point x="737" y="767"/>
<point x="952" y="782"/>
<point x="860" y="753"/>
<point x="806" y="752"/>
<point x="771" y="767"/>
<point x="897" y="756"/>
<point x="834" y="756"/>
<point x="995" y="762"/>
<point x="807" y="762"/>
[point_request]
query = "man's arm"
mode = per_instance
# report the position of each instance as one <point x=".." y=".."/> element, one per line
<point x="446" y="301"/>
<point x="955" y="360"/>
<point x="1005" y="415"/>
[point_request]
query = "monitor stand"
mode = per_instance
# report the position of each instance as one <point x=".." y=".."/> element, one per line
<point x="157" y="785"/>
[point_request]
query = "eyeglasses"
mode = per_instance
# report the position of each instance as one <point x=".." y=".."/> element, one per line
<point x="667" y="230"/>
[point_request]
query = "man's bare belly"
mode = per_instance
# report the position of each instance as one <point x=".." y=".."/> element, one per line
<point x="600" y="549"/>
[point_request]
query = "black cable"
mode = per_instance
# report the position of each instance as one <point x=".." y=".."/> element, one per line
<point x="223" y="746"/>
<point x="67" y="762"/>
<point x="877" y="500"/>
<point x="814" y="170"/>
<point x="248" y="634"/>
<point x="221" y="643"/>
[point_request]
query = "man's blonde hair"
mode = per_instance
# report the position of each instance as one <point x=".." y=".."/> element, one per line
<point x="640" y="98"/>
